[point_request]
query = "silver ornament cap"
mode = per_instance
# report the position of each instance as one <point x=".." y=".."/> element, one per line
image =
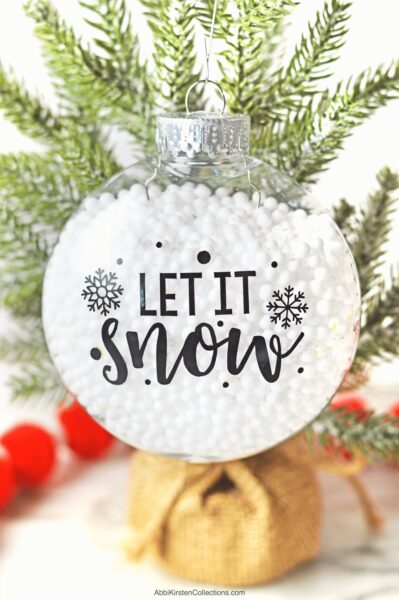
<point x="202" y="134"/>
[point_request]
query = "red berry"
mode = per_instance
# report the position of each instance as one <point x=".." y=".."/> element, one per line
<point x="352" y="403"/>
<point x="8" y="483"/>
<point x="394" y="409"/>
<point x="32" y="452"/>
<point x="83" y="435"/>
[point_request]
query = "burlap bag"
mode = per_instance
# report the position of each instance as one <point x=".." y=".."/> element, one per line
<point x="237" y="523"/>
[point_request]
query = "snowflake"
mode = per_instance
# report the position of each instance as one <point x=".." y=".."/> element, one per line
<point x="101" y="291"/>
<point x="287" y="307"/>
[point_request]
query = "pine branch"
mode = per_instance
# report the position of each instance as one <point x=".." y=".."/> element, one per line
<point x="39" y="187"/>
<point x="376" y="436"/>
<point x="75" y="83"/>
<point x="106" y="88"/>
<point x="120" y="64"/>
<point x="27" y="112"/>
<point x="24" y="252"/>
<point x="311" y="62"/>
<point x="172" y="25"/>
<point x="38" y="382"/>
<point x="380" y="331"/>
<point x="372" y="229"/>
<point x="204" y="14"/>
<point x="243" y="63"/>
<point x="25" y="344"/>
<point x="86" y="157"/>
<point x="326" y="124"/>
<point x="343" y="215"/>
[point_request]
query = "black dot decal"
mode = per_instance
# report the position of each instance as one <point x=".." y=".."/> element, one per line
<point x="95" y="353"/>
<point x="148" y="381"/>
<point x="159" y="244"/>
<point x="274" y="264"/>
<point x="119" y="261"/>
<point x="225" y="384"/>
<point x="220" y="323"/>
<point x="300" y="370"/>
<point x="203" y="257"/>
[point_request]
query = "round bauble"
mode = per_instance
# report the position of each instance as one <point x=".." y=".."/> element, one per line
<point x="201" y="306"/>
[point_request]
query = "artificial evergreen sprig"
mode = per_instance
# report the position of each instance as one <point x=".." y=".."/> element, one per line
<point x="34" y="375"/>
<point x="23" y="109"/>
<point x="311" y="62"/>
<point x="380" y="331"/>
<point x="323" y="126"/>
<point x="367" y="231"/>
<point x="375" y="436"/>
<point x="172" y="25"/>
<point x="242" y="63"/>
<point x="374" y="223"/>
<point x="344" y="216"/>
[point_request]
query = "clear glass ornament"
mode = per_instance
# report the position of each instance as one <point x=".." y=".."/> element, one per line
<point x="200" y="305"/>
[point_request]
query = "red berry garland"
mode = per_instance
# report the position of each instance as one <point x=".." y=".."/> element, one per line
<point x="32" y="453"/>
<point x="8" y="483"/>
<point x="28" y="452"/>
<point x="84" y="436"/>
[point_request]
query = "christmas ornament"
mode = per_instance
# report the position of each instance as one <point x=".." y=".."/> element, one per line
<point x="32" y="452"/>
<point x="84" y="437"/>
<point x="8" y="483"/>
<point x="200" y="305"/>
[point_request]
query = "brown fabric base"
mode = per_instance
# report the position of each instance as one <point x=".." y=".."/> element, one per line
<point x="237" y="523"/>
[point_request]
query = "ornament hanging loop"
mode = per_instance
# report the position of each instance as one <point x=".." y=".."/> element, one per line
<point x="205" y="82"/>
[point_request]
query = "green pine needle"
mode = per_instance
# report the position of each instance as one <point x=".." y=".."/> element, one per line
<point x="376" y="436"/>
<point x="313" y="58"/>
<point x="26" y="111"/>
<point x="370" y="234"/>
<point x="172" y="25"/>
<point x="329" y="121"/>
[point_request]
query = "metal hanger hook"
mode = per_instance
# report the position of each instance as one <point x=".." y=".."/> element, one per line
<point x="205" y="82"/>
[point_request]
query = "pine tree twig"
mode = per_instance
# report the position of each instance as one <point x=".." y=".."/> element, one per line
<point x="331" y="120"/>
<point x="63" y="53"/>
<point x="373" y="225"/>
<point x="39" y="382"/>
<point x="172" y="25"/>
<point x="317" y="51"/>
<point x="376" y="436"/>
<point x="27" y="112"/>
<point x="380" y="331"/>
<point x="344" y="214"/>
<point x="39" y="187"/>
<point x="120" y="64"/>
<point x="242" y="63"/>
<point x="86" y="157"/>
<point x="111" y="87"/>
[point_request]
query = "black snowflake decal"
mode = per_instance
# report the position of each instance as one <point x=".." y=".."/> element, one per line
<point x="288" y="307"/>
<point x="102" y="291"/>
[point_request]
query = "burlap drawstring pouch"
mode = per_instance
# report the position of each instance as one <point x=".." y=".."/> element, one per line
<point x="237" y="523"/>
